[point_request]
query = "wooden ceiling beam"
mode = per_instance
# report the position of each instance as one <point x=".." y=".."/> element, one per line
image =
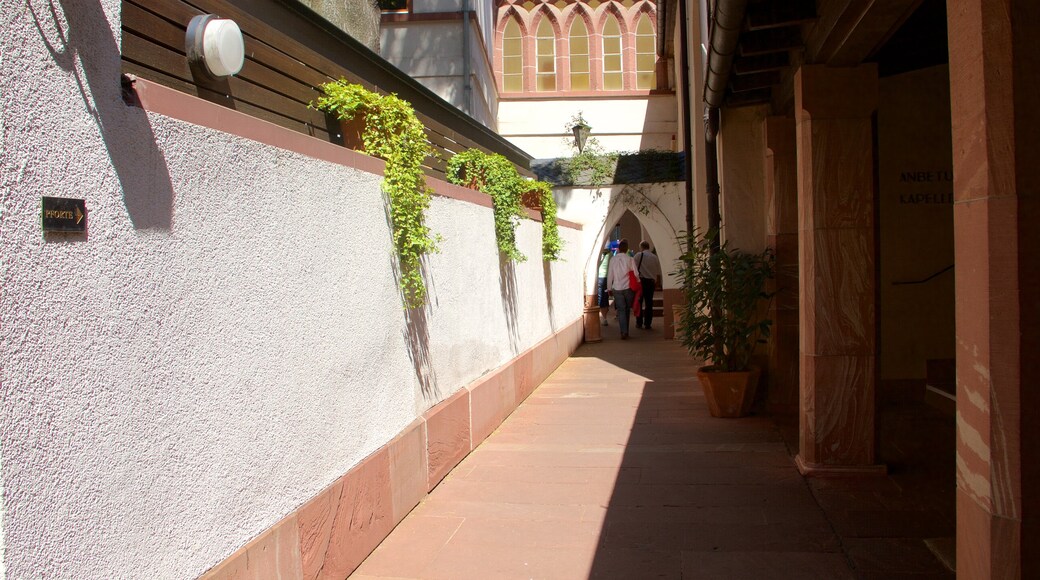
<point x="767" y="62"/>
<point x="776" y="14"/>
<point x="753" y="43"/>
<point x="762" y="80"/>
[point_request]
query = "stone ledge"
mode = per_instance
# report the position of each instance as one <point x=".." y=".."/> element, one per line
<point x="172" y="103"/>
<point x="333" y="532"/>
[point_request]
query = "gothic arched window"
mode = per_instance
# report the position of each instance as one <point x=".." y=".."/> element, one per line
<point x="612" y="72"/>
<point x="646" y="54"/>
<point x="580" y="72"/>
<point x="512" y="58"/>
<point x="545" y="57"/>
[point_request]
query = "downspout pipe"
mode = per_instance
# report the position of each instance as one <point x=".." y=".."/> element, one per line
<point x="711" y="165"/>
<point x="726" y="23"/>
<point x="662" y="37"/>
<point x="467" y="85"/>
<point x="687" y="116"/>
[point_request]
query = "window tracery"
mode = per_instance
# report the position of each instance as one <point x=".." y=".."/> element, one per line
<point x="581" y="74"/>
<point x="646" y="54"/>
<point x="512" y="58"/>
<point x="613" y="72"/>
<point x="576" y="45"/>
<point x="545" y="57"/>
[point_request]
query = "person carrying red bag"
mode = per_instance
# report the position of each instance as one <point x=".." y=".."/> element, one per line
<point x="623" y="283"/>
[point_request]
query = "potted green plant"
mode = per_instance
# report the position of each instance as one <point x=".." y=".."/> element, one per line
<point x="388" y="128"/>
<point x="494" y="175"/>
<point x="724" y="319"/>
<point x="552" y="244"/>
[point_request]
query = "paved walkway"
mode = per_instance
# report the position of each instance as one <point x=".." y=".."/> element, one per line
<point x="613" y="468"/>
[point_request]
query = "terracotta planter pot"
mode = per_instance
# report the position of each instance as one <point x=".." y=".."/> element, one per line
<point x="592" y="324"/>
<point x="351" y="131"/>
<point x="729" y="394"/>
<point x="470" y="181"/>
<point x="532" y="199"/>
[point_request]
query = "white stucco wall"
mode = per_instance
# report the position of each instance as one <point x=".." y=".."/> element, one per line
<point x="540" y="127"/>
<point x="659" y="207"/>
<point x="227" y="339"/>
<point x="3" y="516"/>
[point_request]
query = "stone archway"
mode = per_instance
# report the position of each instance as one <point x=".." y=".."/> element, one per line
<point x="649" y="209"/>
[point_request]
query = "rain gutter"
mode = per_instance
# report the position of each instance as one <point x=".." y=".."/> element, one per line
<point x="726" y="23"/>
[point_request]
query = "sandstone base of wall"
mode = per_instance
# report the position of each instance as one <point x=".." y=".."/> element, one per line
<point x="330" y="535"/>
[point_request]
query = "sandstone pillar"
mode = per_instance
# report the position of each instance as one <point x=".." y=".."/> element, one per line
<point x="781" y="187"/>
<point x="833" y="110"/>
<point x="994" y="80"/>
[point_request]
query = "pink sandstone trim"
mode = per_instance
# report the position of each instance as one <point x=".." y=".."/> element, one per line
<point x="172" y="103"/>
<point x="332" y="533"/>
<point x="273" y="554"/>
<point x="448" y="438"/>
<point x="824" y="471"/>
<point x="587" y="95"/>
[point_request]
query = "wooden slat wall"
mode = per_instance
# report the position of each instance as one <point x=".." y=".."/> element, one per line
<point x="280" y="76"/>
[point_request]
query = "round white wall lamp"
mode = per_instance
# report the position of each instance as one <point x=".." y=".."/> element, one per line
<point x="215" y="45"/>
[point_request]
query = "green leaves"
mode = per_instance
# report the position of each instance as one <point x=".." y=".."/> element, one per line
<point x="725" y="300"/>
<point x="393" y="132"/>
<point x="552" y="244"/>
<point x="494" y="175"/>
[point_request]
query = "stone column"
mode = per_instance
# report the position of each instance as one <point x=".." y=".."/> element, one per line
<point x="994" y="80"/>
<point x="781" y="186"/>
<point x="833" y="109"/>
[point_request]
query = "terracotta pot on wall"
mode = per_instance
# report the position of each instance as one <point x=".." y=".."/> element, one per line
<point x="351" y="131"/>
<point x="532" y="199"/>
<point x="729" y="395"/>
<point x="470" y="181"/>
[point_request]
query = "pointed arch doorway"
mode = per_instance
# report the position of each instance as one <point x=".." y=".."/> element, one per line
<point x="630" y="227"/>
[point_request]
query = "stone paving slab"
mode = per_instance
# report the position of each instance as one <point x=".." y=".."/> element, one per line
<point x="613" y="468"/>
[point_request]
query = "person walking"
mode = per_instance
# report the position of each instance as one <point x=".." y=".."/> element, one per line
<point x="649" y="267"/>
<point x="621" y="265"/>
<point x="601" y="285"/>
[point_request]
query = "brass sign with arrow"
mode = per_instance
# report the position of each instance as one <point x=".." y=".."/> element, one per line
<point x="60" y="214"/>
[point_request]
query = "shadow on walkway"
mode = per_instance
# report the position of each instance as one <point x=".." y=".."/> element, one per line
<point x="613" y="468"/>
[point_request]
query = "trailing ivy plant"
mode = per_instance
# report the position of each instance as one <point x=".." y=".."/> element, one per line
<point x="393" y="132"/>
<point x="494" y="175"/>
<point x="552" y="244"/>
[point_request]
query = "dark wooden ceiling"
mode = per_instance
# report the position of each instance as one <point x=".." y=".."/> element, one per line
<point x="769" y="44"/>
<point x="779" y="35"/>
